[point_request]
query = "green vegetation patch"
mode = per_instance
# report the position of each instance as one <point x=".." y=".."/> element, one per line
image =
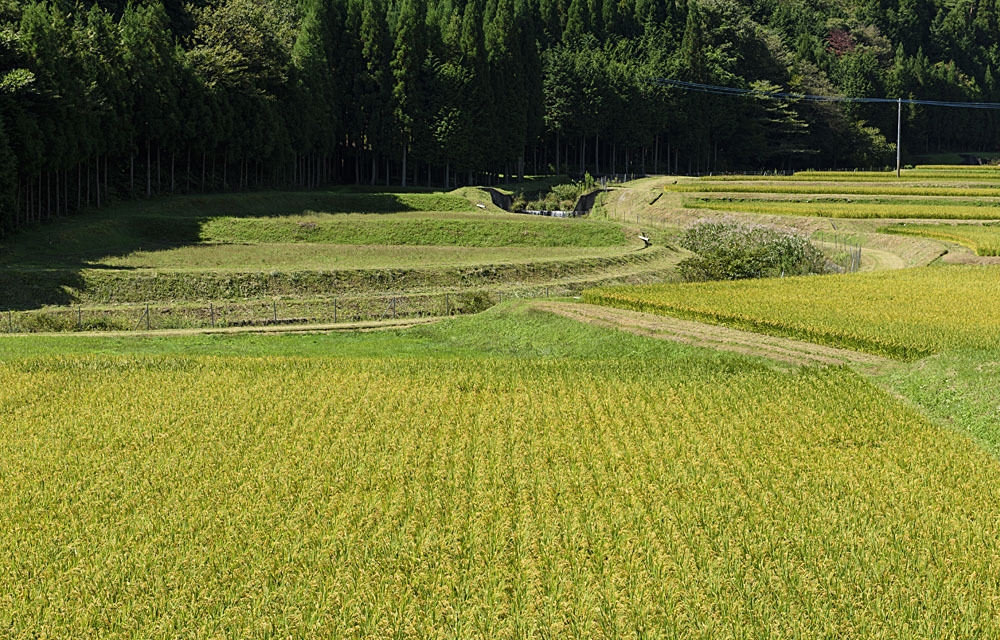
<point x="478" y="232"/>
<point x="31" y="288"/>
<point x="270" y="257"/>
<point x="907" y="314"/>
<point x="958" y="388"/>
<point x="281" y="203"/>
<point x="983" y="239"/>
<point x="827" y="209"/>
<point x="222" y="494"/>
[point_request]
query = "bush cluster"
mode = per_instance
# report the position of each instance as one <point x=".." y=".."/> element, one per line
<point x="561" y="197"/>
<point x="730" y="251"/>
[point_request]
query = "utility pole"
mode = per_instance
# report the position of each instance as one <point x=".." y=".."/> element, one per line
<point x="899" y="134"/>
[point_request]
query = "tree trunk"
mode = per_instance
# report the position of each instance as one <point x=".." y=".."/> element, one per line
<point x="172" y="154"/>
<point x="149" y="170"/>
<point x="131" y="174"/>
<point x="403" y="181"/>
<point x="557" y="154"/>
<point x="597" y="154"/>
<point x="656" y="154"/>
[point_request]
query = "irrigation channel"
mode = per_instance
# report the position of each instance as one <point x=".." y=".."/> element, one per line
<point x="583" y="205"/>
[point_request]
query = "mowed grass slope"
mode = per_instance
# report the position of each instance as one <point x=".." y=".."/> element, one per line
<point x="251" y="246"/>
<point x="908" y="313"/>
<point x="150" y="496"/>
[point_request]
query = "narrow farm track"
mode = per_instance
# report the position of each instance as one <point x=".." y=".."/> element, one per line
<point x="784" y="350"/>
<point x="373" y="325"/>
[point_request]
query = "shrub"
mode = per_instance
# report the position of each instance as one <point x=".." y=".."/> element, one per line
<point x="728" y="251"/>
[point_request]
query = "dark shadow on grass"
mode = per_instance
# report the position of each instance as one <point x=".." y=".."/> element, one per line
<point x="44" y="264"/>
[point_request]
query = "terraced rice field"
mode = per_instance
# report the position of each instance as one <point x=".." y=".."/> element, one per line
<point x="483" y="499"/>
<point x="297" y="246"/>
<point x="860" y="189"/>
<point x="983" y="239"/>
<point x="907" y="313"/>
<point x="858" y="210"/>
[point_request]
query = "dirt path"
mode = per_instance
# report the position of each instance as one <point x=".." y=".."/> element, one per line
<point x="784" y="350"/>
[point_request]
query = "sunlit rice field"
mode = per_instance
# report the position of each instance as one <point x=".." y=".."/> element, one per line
<point x="983" y="174"/>
<point x="906" y="314"/>
<point x="929" y="210"/>
<point x="153" y="497"/>
<point x="983" y="239"/>
<point x="862" y="188"/>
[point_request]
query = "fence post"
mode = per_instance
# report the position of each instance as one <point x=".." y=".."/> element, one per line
<point x="79" y="318"/>
<point x="394" y="307"/>
<point x="211" y="310"/>
<point x="10" y="321"/>
<point x="274" y="306"/>
<point x="334" y="311"/>
<point x="147" y="316"/>
<point x="447" y="305"/>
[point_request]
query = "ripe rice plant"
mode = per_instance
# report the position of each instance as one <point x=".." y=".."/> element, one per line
<point x="286" y="497"/>
<point x="983" y="239"/>
<point x="905" y="314"/>
<point x="980" y="191"/>
<point x="930" y="210"/>
<point x="960" y="168"/>
<point x="918" y="175"/>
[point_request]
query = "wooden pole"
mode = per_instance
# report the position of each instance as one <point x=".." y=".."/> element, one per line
<point x="899" y="135"/>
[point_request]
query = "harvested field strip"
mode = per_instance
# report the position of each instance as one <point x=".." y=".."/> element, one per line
<point x="531" y="232"/>
<point x="372" y="325"/>
<point x="856" y="210"/>
<point x="983" y="239"/>
<point x="907" y="314"/>
<point x="828" y="189"/>
<point x="784" y="350"/>
<point x="221" y="258"/>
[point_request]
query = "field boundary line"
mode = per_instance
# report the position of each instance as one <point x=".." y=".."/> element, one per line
<point x="371" y="325"/>
<point x="785" y="350"/>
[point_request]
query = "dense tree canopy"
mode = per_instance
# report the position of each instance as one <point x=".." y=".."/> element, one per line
<point x="104" y="99"/>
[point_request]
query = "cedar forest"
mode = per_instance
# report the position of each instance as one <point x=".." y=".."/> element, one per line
<point x="108" y="99"/>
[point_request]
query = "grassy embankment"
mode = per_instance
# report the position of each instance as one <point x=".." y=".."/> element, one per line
<point x="186" y="255"/>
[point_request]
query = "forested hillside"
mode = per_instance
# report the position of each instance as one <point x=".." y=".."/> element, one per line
<point x="106" y="99"/>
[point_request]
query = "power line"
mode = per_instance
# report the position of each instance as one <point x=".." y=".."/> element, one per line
<point x="806" y="97"/>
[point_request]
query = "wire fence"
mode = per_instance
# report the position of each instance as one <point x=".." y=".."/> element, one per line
<point x="340" y="310"/>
